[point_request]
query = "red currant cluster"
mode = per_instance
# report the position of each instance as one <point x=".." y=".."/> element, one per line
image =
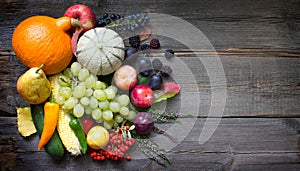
<point x="117" y="148"/>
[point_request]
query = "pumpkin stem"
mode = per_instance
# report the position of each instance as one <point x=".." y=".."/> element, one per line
<point x="64" y="23"/>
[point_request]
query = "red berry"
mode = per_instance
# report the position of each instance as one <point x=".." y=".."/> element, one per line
<point x="98" y="158"/>
<point x="132" y="140"/>
<point x="126" y="148"/>
<point x="102" y="158"/>
<point x="128" y="158"/>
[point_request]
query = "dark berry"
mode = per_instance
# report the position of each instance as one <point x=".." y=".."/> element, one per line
<point x="154" y="44"/>
<point x="146" y="73"/>
<point x="144" y="66"/>
<point x="101" y="23"/>
<point x="155" y="81"/>
<point x="157" y="64"/>
<point x="145" y="46"/>
<point x="107" y="21"/>
<point x="165" y="71"/>
<point x="135" y="41"/>
<point x="113" y="16"/>
<point x="105" y="15"/>
<point x="130" y="51"/>
<point x="118" y="17"/>
<point x="169" y="53"/>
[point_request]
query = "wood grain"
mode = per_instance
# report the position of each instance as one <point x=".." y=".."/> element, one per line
<point x="269" y="24"/>
<point x="237" y="144"/>
<point x="258" y="44"/>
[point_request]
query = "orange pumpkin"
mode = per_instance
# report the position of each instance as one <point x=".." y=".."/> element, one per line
<point x="43" y="40"/>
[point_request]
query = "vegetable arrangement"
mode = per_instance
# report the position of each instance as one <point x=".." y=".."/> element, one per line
<point x="73" y="107"/>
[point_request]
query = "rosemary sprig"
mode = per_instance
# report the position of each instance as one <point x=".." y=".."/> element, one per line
<point x="161" y="131"/>
<point x="163" y="116"/>
<point x="151" y="150"/>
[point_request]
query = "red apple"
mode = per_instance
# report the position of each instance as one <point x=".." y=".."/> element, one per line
<point x="84" y="13"/>
<point x="125" y="77"/>
<point x="142" y="96"/>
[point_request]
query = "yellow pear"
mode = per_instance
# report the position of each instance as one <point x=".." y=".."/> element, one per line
<point x="33" y="86"/>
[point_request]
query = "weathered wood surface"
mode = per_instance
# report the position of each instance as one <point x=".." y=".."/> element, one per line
<point x="258" y="43"/>
<point x="241" y="144"/>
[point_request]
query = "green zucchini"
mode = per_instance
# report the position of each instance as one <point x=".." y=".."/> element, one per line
<point x="54" y="147"/>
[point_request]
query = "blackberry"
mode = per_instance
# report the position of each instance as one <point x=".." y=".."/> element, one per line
<point x="154" y="44"/>
<point x="135" y="41"/>
<point x="169" y="53"/>
<point x="145" y="47"/>
<point x="157" y="64"/>
<point x="165" y="71"/>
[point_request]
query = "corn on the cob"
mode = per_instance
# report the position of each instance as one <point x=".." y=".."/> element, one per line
<point x="66" y="134"/>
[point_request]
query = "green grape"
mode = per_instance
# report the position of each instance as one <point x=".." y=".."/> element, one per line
<point x="99" y="85"/>
<point x="131" y="115"/>
<point x="89" y="92"/>
<point x="64" y="81"/>
<point x="84" y="101"/>
<point x="100" y="95"/>
<point x="83" y="74"/>
<point x="93" y="102"/>
<point x="90" y="81"/>
<point x="116" y="98"/>
<point x="124" y="111"/>
<point x="88" y="110"/>
<point x="60" y="100"/>
<point x="70" y="103"/>
<point x="110" y="93"/>
<point x="81" y="84"/>
<point x="97" y="114"/>
<point x="75" y="68"/>
<point x="65" y="92"/>
<point x="107" y="115"/>
<point x="78" y="110"/>
<point x="123" y="100"/>
<point x="114" y="107"/>
<point x="118" y="119"/>
<point x="108" y="125"/>
<point x="103" y="104"/>
<point x="100" y="120"/>
<point x="79" y="91"/>
<point x="67" y="72"/>
<point x="114" y="88"/>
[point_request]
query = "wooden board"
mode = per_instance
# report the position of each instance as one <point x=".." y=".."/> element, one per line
<point x="237" y="143"/>
<point x="251" y="90"/>
<point x="257" y="43"/>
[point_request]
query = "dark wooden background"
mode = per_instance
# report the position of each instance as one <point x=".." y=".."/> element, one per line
<point x="259" y="46"/>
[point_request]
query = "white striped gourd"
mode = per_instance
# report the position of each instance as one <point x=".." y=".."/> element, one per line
<point x="100" y="50"/>
<point x="66" y="134"/>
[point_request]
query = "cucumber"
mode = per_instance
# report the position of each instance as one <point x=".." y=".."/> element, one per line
<point x="54" y="147"/>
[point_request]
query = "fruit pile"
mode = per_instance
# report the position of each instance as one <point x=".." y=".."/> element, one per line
<point x="71" y="107"/>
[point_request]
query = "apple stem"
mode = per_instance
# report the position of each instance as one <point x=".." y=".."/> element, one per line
<point x="76" y="23"/>
<point x="40" y="68"/>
